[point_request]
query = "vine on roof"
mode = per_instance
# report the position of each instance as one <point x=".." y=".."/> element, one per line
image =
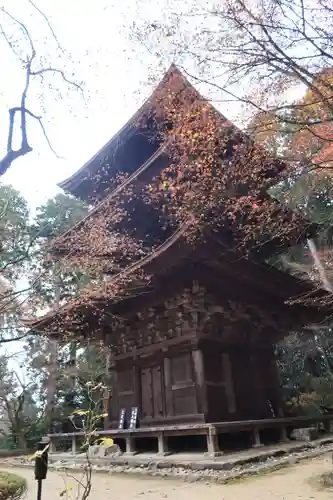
<point x="217" y="176"/>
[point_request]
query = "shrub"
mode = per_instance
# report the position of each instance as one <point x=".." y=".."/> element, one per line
<point x="12" y="487"/>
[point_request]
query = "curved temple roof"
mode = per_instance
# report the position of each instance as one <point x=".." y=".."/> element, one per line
<point x="87" y="172"/>
<point x="72" y="184"/>
<point x="285" y="292"/>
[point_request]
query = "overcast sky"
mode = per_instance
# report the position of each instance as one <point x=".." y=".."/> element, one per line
<point x="113" y="71"/>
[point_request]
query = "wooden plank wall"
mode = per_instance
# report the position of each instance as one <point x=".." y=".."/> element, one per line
<point x="165" y="388"/>
<point x="215" y="383"/>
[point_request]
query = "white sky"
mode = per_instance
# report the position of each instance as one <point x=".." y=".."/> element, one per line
<point x="113" y="73"/>
<point x="90" y="32"/>
<point x="113" y="70"/>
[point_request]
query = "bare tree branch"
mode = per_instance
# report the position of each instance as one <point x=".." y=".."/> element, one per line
<point x="42" y="71"/>
<point x="30" y="72"/>
<point x="14" y="339"/>
<point x="35" y="6"/>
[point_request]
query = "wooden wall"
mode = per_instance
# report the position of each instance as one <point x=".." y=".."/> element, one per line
<point x="209" y="383"/>
<point x="219" y="383"/>
<point x="165" y="388"/>
<point x="196" y="357"/>
<point x="241" y="381"/>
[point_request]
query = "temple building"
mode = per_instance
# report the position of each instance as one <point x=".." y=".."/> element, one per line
<point x="182" y="293"/>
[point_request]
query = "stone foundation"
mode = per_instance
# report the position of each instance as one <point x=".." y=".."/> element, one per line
<point x="195" y="467"/>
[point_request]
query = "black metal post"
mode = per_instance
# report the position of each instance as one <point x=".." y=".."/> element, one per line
<point x="39" y="489"/>
<point x="41" y="463"/>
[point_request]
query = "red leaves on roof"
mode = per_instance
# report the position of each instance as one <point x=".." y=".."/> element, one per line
<point x="216" y="178"/>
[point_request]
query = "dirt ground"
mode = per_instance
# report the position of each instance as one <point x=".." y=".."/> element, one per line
<point x="294" y="483"/>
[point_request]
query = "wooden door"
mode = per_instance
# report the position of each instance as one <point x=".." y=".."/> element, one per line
<point x="157" y="390"/>
<point x="146" y="394"/>
<point x="219" y="384"/>
<point x="152" y="406"/>
<point x="183" y="387"/>
<point x="124" y="391"/>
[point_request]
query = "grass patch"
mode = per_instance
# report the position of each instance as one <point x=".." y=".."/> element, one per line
<point x="12" y="487"/>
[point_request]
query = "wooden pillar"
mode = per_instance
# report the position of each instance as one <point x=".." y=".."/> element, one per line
<point x="258" y="389"/>
<point x="273" y="374"/>
<point x="53" y="447"/>
<point x="283" y="435"/>
<point x="213" y="447"/>
<point x="168" y="388"/>
<point x="162" y="444"/>
<point x="328" y="426"/>
<point x="268" y="384"/>
<point x="108" y="391"/>
<point x="114" y="408"/>
<point x="256" y="438"/>
<point x="74" y="445"/>
<point x="198" y="364"/>
<point x="137" y="384"/>
<point x="130" y="448"/>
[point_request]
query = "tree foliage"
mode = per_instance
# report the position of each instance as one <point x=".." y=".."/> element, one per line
<point x="53" y="218"/>
<point x="306" y="372"/>
<point x="24" y="251"/>
<point x="270" y="58"/>
<point x="16" y="244"/>
<point x="18" y="405"/>
<point x="14" y="238"/>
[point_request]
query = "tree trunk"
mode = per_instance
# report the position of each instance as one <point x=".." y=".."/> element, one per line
<point x="52" y="379"/>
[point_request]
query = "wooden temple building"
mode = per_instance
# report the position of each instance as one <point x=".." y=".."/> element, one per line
<point x="191" y="324"/>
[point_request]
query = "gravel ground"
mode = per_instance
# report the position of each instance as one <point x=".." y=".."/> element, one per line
<point x="293" y="483"/>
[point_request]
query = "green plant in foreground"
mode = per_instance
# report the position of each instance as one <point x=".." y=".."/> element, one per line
<point x="12" y="487"/>
<point x="80" y="487"/>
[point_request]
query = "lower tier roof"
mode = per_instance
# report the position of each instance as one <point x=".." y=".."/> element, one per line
<point x="225" y="275"/>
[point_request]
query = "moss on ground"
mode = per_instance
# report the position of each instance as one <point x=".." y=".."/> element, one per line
<point x="12" y="487"/>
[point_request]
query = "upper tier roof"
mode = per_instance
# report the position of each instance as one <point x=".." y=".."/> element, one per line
<point x="81" y="183"/>
<point x="130" y="147"/>
<point x="84" y="182"/>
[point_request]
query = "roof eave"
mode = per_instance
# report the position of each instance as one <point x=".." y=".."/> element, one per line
<point x="72" y="183"/>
